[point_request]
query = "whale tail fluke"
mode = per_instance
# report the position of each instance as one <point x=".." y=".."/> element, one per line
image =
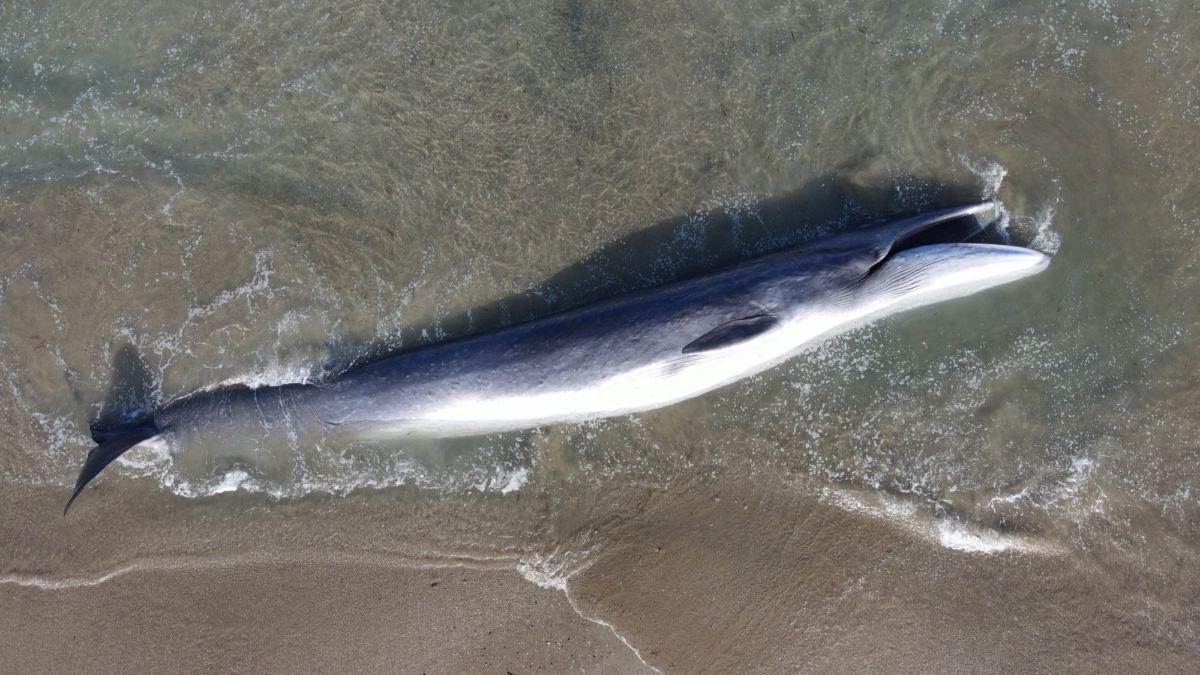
<point x="111" y="443"/>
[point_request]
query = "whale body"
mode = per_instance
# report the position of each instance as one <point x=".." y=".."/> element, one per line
<point x="631" y="353"/>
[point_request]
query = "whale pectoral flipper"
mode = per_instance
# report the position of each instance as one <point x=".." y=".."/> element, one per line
<point x="732" y="332"/>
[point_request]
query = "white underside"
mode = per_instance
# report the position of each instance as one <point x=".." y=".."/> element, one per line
<point x="652" y="386"/>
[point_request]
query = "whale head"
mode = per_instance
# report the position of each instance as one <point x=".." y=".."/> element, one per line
<point x="927" y="259"/>
<point x="884" y="269"/>
<point x="932" y="273"/>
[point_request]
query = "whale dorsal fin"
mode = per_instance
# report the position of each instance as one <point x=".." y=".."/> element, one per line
<point x="733" y="332"/>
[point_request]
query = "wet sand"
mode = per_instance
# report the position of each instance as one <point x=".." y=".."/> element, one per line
<point x="306" y="617"/>
<point x="777" y="582"/>
<point x="710" y="577"/>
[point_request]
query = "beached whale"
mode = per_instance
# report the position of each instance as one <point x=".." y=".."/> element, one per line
<point x="634" y="352"/>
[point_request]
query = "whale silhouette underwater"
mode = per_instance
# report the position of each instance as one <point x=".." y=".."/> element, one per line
<point x="633" y="352"/>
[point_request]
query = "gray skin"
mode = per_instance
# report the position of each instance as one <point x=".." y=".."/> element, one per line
<point x="632" y="352"/>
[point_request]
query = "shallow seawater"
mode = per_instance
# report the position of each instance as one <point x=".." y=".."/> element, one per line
<point x="194" y="195"/>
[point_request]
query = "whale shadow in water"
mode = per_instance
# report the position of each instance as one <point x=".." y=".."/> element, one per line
<point x="133" y="395"/>
<point x="676" y="249"/>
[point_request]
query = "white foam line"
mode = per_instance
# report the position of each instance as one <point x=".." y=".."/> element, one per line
<point x="956" y="535"/>
<point x="166" y="208"/>
<point x="549" y="580"/>
<point x="602" y="622"/>
<point x="947" y="531"/>
<point x="49" y="583"/>
<point x="524" y="568"/>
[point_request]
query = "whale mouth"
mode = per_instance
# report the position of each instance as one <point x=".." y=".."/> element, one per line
<point x="975" y="226"/>
<point x="969" y="223"/>
<point x="963" y="244"/>
<point x="948" y="254"/>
